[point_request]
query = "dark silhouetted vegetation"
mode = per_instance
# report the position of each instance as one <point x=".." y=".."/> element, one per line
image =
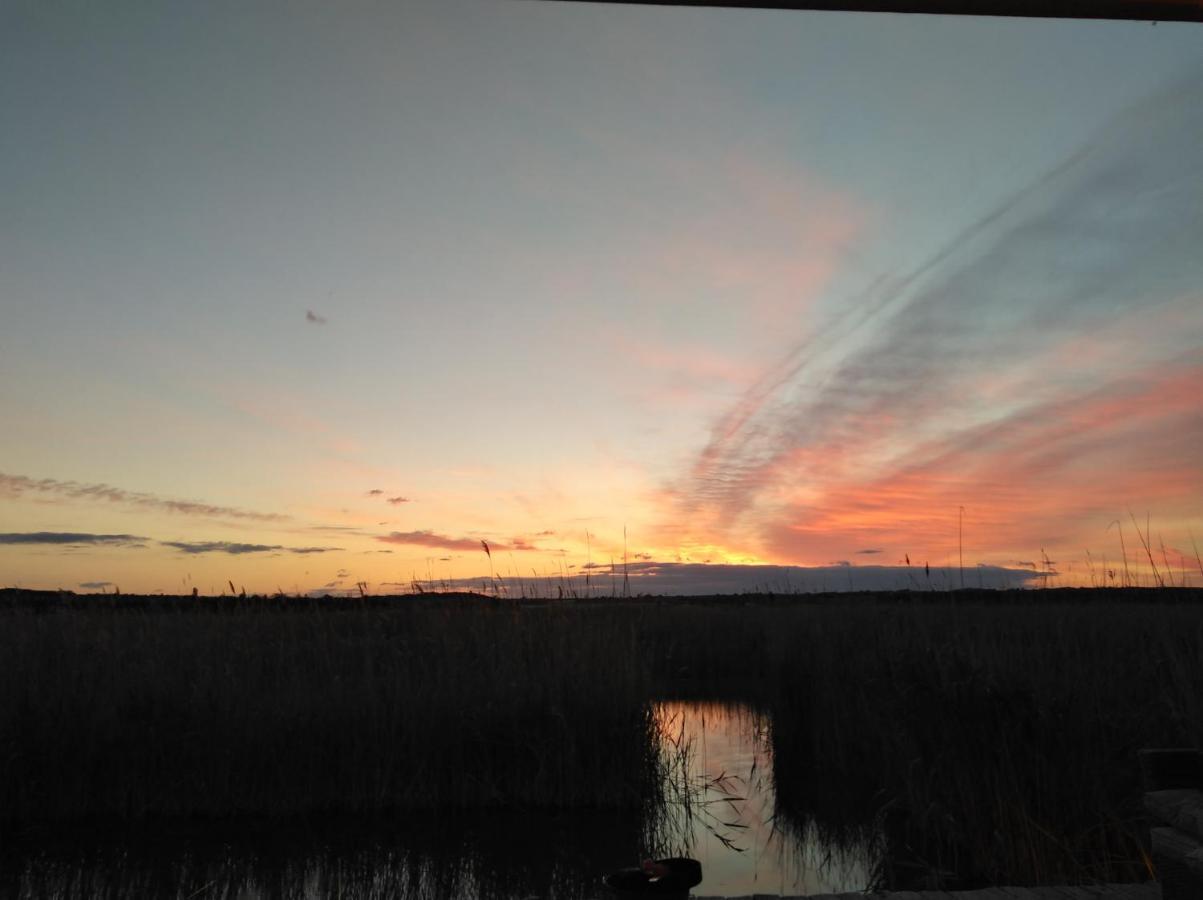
<point x="985" y="743"/>
<point x="986" y="738"/>
<point x="488" y="856"/>
<point x="142" y="713"/>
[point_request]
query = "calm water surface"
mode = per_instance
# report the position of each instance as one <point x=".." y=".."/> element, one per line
<point x="728" y="819"/>
<point x="720" y="811"/>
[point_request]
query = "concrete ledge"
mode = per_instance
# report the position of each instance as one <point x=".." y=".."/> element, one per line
<point x="1176" y="835"/>
<point x="1148" y="891"/>
<point x="1181" y="809"/>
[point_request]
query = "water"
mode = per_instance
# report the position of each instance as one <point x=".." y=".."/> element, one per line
<point x="720" y="810"/>
<point x="725" y="815"/>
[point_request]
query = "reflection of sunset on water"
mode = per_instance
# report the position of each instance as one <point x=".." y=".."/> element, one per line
<point x="729" y="823"/>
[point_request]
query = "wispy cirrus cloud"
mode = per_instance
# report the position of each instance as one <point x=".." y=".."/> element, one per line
<point x="1047" y="351"/>
<point x="339" y="529"/>
<point x="72" y="538"/>
<point x="1055" y="474"/>
<point x="21" y="485"/>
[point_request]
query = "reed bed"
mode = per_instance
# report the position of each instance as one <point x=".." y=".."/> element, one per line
<point x="983" y="738"/>
<point x="487" y="857"/>
<point x="987" y="745"/>
<point x="976" y="741"/>
<point x="145" y="713"/>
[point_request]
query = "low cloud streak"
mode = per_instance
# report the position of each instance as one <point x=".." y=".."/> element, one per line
<point x="72" y="538"/>
<point x="238" y="549"/>
<point x="440" y="541"/>
<point x="15" y="486"/>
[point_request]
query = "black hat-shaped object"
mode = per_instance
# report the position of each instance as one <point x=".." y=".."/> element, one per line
<point x="682" y="875"/>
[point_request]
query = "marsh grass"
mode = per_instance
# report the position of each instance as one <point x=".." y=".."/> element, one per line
<point x="987" y="744"/>
<point x="975" y="741"/>
<point x="488" y="858"/>
<point x="983" y="737"/>
<point x="134" y="714"/>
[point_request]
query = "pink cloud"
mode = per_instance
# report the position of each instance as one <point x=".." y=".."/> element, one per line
<point x="447" y="542"/>
<point x="769" y="238"/>
<point x="1053" y="475"/>
<point x="432" y="539"/>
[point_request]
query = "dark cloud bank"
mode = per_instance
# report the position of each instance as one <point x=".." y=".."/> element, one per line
<point x="697" y="579"/>
<point x="237" y="549"/>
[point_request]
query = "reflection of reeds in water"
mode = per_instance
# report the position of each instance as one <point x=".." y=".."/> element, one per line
<point x="988" y="735"/>
<point x="694" y="801"/>
<point x="992" y="744"/>
<point x="682" y="795"/>
<point x="720" y="796"/>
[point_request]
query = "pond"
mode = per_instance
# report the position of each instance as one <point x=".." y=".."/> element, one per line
<point x="720" y="809"/>
<point x="724" y="811"/>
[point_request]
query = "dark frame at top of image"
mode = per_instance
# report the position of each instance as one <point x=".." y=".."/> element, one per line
<point x="1146" y="10"/>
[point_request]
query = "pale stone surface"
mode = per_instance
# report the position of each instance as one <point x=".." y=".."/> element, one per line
<point x="1089" y="892"/>
<point x="1183" y="809"/>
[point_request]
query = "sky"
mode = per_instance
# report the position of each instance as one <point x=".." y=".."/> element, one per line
<point x="302" y="298"/>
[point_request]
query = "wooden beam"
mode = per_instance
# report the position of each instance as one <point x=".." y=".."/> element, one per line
<point x="1139" y="10"/>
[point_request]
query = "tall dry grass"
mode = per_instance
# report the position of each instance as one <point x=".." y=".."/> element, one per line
<point x="991" y="737"/>
<point x="984" y="742"/>
<point x="992" y="744"/>
<point x="144" y="713"/>
<point x="488" y="857"/>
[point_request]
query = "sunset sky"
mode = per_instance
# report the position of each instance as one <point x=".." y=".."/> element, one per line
<point x="298" y="296"/>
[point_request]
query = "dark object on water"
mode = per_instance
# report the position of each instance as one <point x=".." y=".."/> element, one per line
<point x="658" y="878"/>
